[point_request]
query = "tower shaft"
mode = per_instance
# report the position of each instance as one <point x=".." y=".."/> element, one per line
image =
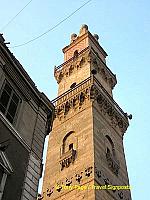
<point x="85" y="156"/>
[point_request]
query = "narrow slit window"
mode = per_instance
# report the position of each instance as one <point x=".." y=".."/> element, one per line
<point x="70" y="146"/>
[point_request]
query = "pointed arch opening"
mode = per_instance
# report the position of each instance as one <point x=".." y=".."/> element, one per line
<point x="68" y="150"/>
<point x="111" y="158"/>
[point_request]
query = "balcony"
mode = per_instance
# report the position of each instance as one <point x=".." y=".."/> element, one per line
<point x="113" y="163"/>
<point x="67" y="158"/>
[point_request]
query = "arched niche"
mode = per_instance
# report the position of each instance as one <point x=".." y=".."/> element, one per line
<point x="75" y="54"/>
<point x="109" y="145"/>
<point x="68" y="150"/>
<point x="69" y="142"/>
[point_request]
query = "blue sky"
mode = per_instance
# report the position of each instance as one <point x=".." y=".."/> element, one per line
<point x="124" y="30"/>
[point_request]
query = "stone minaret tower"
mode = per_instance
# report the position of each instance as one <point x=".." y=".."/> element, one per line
<point x="85" y="153"/>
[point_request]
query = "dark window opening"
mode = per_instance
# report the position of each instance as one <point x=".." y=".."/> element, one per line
<point x="73" y="85"/>
<point x="108" y="151"/>
<point x="9" y="102"/>
<point x="75" y="53"/>
<point x="94" y="71"/>
<point x="70" y="146"/>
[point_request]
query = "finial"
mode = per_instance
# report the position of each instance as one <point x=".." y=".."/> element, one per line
<point x="73" y="37"/>
<point x="83" y="29"/>
<point x="84" y="26"/>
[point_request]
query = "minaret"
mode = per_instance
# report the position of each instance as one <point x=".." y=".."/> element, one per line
<point x="85" y="156"/>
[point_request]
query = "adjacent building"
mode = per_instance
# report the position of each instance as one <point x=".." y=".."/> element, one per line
<point x="26" y="117"/>
<point x="85" y="156"/>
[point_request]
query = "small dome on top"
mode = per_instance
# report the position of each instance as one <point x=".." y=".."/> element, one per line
<point x="83" y="29"/>
<point x="84" y="26"/>
<point x="73" y="37"/>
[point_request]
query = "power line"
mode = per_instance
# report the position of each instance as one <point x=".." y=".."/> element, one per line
<point x="25" y="43"/>
<point x="15" y="16"/>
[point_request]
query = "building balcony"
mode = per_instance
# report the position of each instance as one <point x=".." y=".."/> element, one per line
<point x="113" y="163"/>
<point x="67" y="158"/>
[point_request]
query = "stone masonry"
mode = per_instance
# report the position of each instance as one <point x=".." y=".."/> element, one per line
<point x="85" y="147"/>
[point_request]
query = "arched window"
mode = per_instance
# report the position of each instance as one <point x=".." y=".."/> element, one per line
<point x="68" y="150"/>
<point x="70" y="146"/>
<point x="69" y="142"/>
<point x="75" y="55"/>
<point x="110" y="150"/>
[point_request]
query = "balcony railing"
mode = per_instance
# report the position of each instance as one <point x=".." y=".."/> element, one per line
<point x="60" y="66"/>
<point x="67" y="158"/>
<point x="113" y="163"/>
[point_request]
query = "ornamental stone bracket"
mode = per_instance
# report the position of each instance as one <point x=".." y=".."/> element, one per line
<point x="74" y="103"/>
<point x="100" y="68"/>
<point x="110" y="109"/>
<point x="73" y="99"/>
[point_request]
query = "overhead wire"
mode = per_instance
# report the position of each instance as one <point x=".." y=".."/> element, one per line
<point x="15" y="16"/>
<point x="35" y="38"/>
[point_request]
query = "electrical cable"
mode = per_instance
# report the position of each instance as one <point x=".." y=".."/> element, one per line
<point x="15" y="16"/>
<point x="25" y="43"/>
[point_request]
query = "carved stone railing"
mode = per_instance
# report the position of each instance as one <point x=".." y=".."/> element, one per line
<point x="71" y="59"/>
<point x="67" y="158"/>
<point x="72" y="92"/>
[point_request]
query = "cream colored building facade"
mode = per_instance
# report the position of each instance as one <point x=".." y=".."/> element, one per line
<point x="85" y="156"/>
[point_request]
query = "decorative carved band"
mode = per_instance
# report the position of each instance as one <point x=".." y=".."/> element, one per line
<point x="108" y="107"/>
<point x="87" y="55"/>
<point x="80" y="178"/>
<point x="91" y="90"/>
